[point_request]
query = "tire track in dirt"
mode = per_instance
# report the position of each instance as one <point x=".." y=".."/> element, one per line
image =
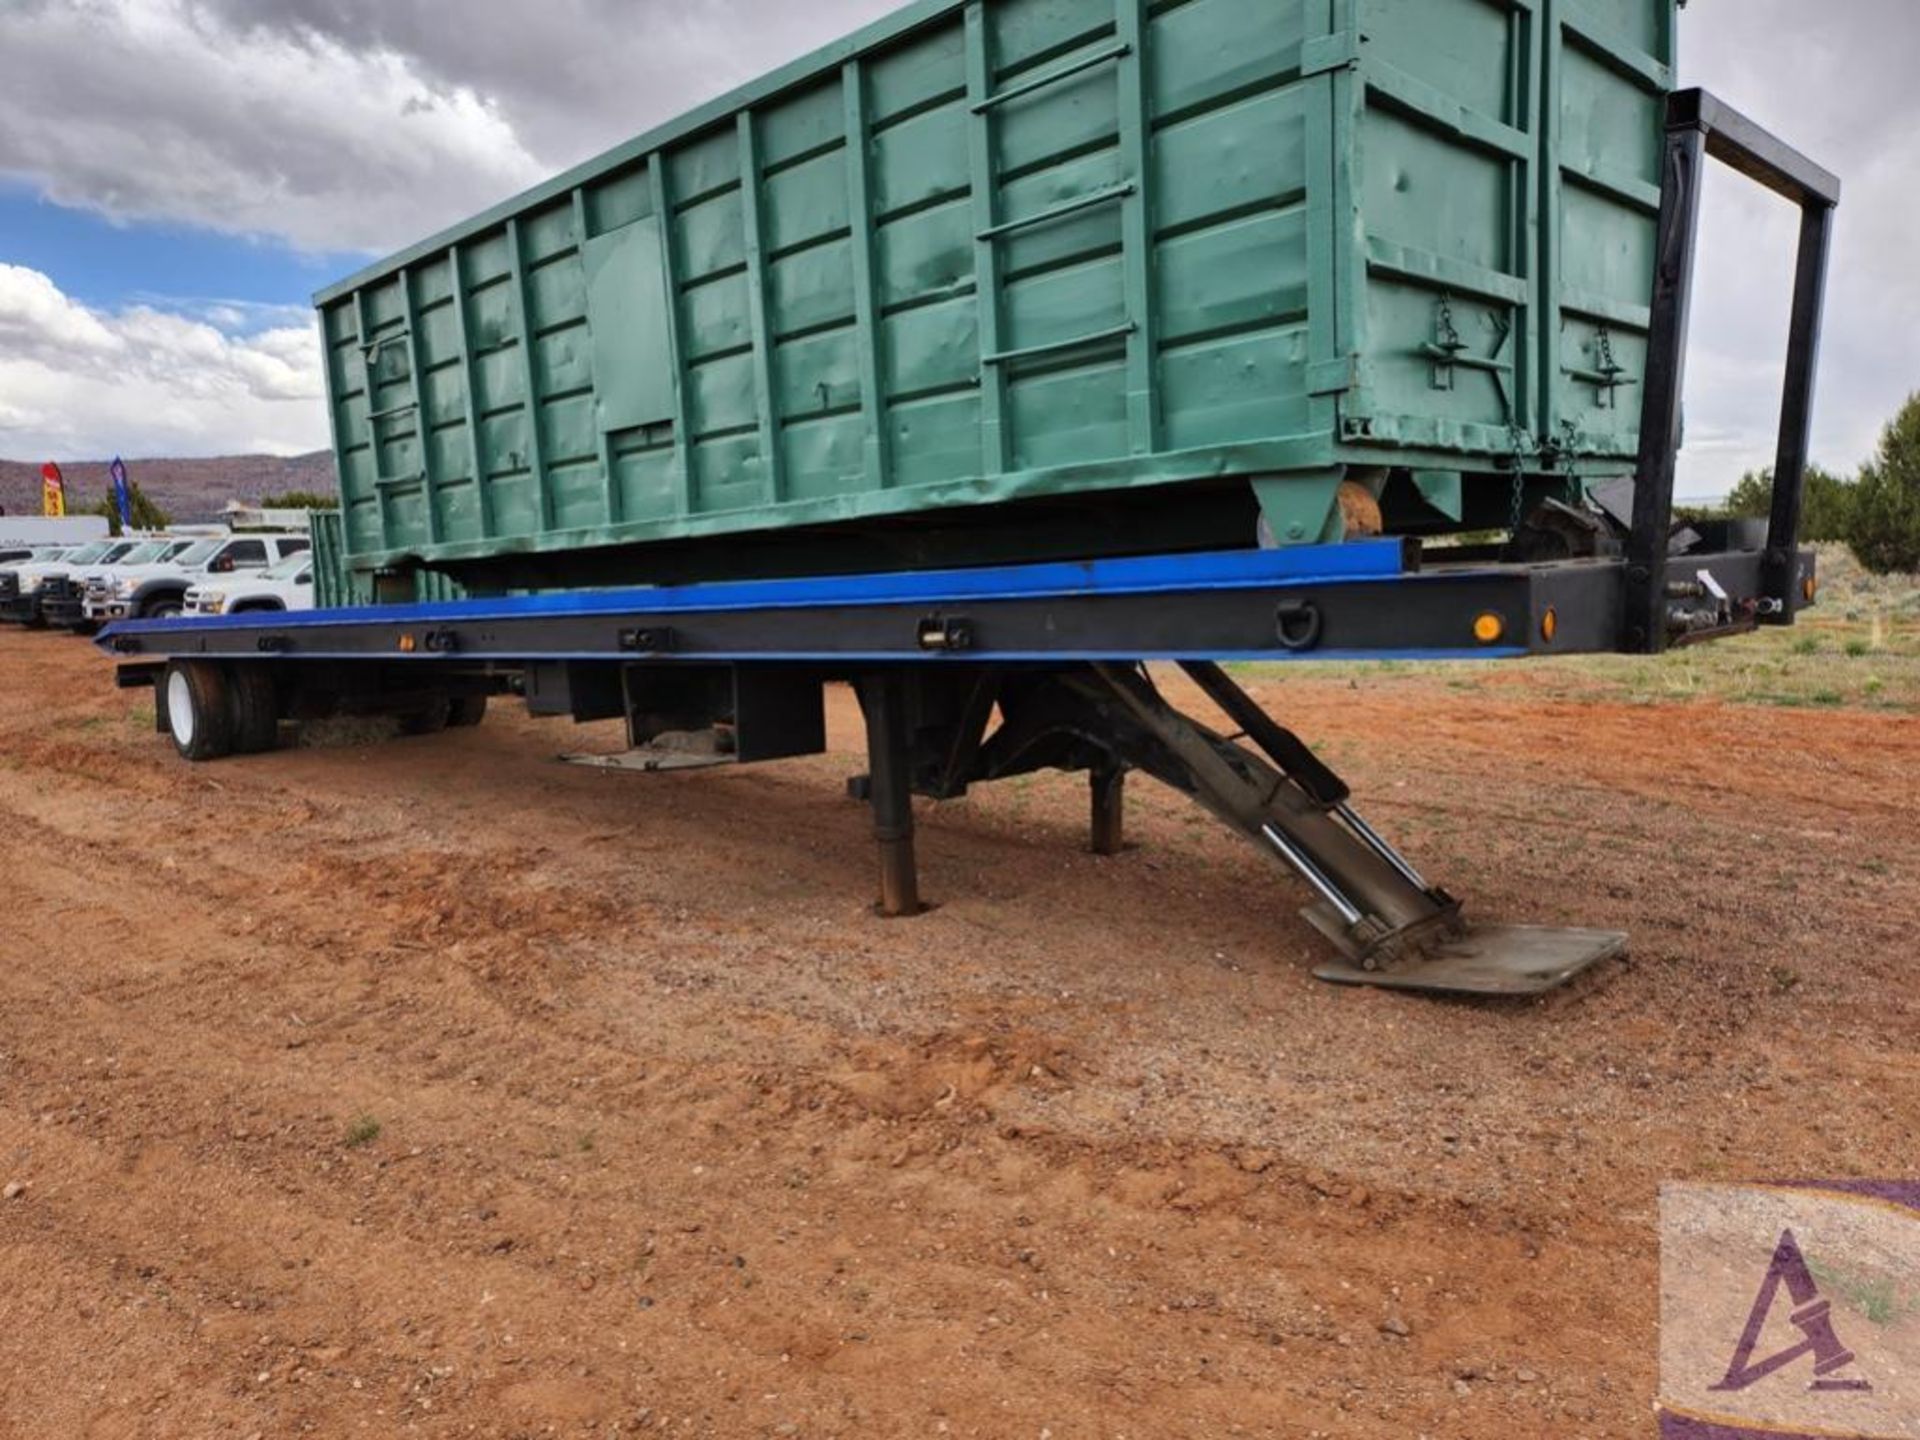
<point x="1084" y="1149"/>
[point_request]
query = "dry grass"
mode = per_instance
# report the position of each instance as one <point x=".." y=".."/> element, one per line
<point x="1858" y="649"/>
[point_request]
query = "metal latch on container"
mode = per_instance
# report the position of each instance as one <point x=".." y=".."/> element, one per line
<point x="1607" y="375"/>
<point x="954" y="632"/>
<point x="272" y="644"/>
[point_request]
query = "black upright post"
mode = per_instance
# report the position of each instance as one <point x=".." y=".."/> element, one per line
<point x="1109" y="786"/>
<point x="1779" y="580"/>
<point x="883" y="699"/>
<point x="1644" y="623"/>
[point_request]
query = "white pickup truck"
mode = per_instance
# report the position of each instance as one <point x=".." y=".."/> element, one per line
<point x="24" y="587"/>
<point x="63" y="600"/>
<point x="151" y="592"/>
<point x="286" y="585"/>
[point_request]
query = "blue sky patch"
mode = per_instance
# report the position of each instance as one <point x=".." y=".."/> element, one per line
<point x="110" y="266"/>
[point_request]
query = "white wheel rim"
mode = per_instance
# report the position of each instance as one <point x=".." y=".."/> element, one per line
<point x="180" y="717"/>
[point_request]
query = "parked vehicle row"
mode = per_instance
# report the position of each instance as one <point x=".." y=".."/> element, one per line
<point x="81" y="587"/>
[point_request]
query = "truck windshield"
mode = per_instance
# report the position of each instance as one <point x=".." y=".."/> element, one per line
<point x="87" y="554"/>
<point x="144" y="554"/>
<point x="198" y="553"/>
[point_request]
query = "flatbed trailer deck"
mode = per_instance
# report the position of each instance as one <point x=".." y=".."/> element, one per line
<point x="967" y="676"/>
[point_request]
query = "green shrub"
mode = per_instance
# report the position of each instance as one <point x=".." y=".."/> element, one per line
<point x="1884" y="531"/>
<point x="1826" y="510"/>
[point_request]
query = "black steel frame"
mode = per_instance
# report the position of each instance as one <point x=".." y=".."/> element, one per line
<point x="1430" y="614"/>
<point x="1700" y="126"/>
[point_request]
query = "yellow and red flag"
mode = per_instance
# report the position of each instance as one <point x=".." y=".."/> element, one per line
<point x="53" y="490"/>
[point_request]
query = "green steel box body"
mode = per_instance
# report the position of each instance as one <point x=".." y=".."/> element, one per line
<point x="1004" y="249"/>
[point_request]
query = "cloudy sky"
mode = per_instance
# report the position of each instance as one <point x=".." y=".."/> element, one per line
<point x="177" y="177"/>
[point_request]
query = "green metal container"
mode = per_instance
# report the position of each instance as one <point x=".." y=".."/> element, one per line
<point x="338" y="584"/>
<point x="1034" y="276"/>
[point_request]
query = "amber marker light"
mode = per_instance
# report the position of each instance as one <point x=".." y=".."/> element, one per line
<point x="1488" y="628"/>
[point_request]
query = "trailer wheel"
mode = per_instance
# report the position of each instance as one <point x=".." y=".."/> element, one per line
<point x="467" y="711"/>
<point x="199" y="709"/>
<point x="256" y="710"/>
<point x="428" y="719"/>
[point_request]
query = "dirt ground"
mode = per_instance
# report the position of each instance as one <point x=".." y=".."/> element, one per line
<point x="436" y="1088"/>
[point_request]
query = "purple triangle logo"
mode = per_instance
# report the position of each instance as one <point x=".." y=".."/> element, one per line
<point x="1812" y="1316"/>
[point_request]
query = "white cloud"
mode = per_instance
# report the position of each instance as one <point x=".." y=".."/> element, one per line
<point x="159" y="110"/>
<point x="1834" y="80"/>
<point x="140" y="381"/>
<point x="586" y="74"/>
<point x="358" y="124"/>
<point x="34" y="314"/>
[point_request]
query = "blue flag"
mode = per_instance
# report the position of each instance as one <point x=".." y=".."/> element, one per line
<point x="122" y="493"/>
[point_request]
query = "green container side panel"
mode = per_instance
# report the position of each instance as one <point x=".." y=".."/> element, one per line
<point x="338" y="585"/>
<point x="992" y="250"/>
<point x="329" y="560"/>
<point x="1611" y="65"/>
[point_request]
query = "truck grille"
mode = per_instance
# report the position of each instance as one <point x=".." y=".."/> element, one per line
<point x="58" y="588"/>
<point x="9" y="586"/>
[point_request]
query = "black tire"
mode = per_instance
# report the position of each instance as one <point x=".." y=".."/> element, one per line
<point x="256" y="709"/>
<point x="37" y="620"/>
<point x="199" y="707"/>
<point x="164" y="608"/>
<point x="467" y="711"/>
<point x="429" y="719"/>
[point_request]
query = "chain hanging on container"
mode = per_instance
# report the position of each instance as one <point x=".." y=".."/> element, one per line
<point x="1521" y="448"/>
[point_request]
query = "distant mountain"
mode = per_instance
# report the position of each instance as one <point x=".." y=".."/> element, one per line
<point x="191" y="491"/>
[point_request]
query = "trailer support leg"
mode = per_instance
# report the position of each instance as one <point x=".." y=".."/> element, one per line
<point x="1108" y="785"/>
<point x="1390" y="925"/>
<point x="890" y="789"/>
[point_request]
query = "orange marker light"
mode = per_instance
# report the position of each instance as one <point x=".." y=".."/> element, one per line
<point x="1550" y="625"/>
<point x="1488" y="628"/>
<point x="406" y="644"/>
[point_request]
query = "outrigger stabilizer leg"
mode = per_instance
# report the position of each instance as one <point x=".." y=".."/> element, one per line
<point x="1390" y="926"/>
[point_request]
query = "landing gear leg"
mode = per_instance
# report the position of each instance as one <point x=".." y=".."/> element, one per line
<point x="890" y="790"/>
<point x="1389" y="925"/>
<point x="1108" y="785"/>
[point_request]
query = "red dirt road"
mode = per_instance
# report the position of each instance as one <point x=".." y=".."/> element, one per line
<point x="674" y="1137"/>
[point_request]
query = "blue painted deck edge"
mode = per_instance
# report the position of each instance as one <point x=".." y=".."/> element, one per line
<point x="1376" y="560"/>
